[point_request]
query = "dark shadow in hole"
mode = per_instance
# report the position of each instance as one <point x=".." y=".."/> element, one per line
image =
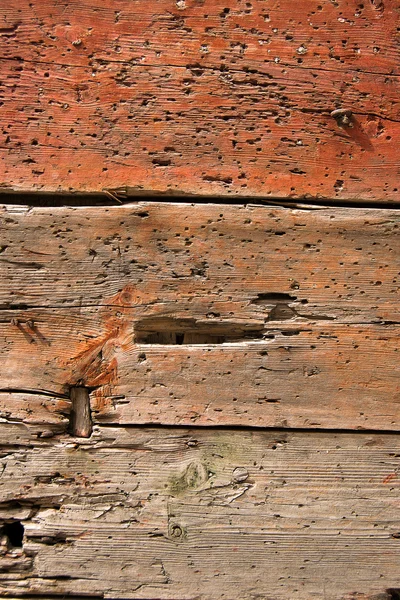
<point x="179" y="337"/>
<point x="170" y="331"/>
<point x="274" y="298"/>
<point x="14" y="533"/>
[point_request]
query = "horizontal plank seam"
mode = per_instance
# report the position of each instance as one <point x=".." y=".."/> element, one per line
<point x="88" y="199"/>
<point x="61" y="596"/>
<point x="255" y="428"/>
<point x="33" y="392"/>
<point x="216" y="427"/>
<point x="271" y="326"/>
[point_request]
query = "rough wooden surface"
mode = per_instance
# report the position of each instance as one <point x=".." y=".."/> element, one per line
<point x="152" y="513"/>
<point x="207" y="315"/>
<point x="201" y="97"/>
<point x="209" y="261"/>
<point x="319" y="376"/>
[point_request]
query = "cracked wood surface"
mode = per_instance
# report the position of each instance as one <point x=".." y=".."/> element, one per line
<point x="210" y="315"/>
<point x="153" y="513"/>
<point x="201" y="97"/>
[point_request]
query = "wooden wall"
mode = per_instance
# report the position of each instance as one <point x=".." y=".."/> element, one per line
<point x="199" y="393"/>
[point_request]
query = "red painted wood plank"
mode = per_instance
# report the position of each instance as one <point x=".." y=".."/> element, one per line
<point x="212" y="97"/>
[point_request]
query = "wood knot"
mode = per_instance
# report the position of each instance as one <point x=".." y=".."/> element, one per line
<point x="176" y="531"/>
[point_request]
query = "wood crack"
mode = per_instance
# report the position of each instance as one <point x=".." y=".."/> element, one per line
<point x="60" y="200"/>
<point x="34" y="392"/>
<point x="255" y="428"/>
<point x="213" y="69"/>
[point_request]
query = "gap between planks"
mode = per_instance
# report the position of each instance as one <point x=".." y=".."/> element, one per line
<point x="114" y="197"/>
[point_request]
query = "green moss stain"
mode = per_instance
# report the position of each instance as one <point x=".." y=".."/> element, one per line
<point x="215" y="460"/>
<point x="194" y="476"/>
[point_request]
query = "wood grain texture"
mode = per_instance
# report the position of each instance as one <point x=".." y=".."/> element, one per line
<point x="201" y="97"/>
<point x="176" y="261"/>
<point x="203" y="315"/>
<point x="150" y="513"/>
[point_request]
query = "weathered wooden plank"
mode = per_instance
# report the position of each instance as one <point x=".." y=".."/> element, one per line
<point x="204" y="315"/>
<point x="211" y="97"/>
<point x="364" y="27"/>
<point x="155" y="513"/>
<point x="330" y="376"/>
<point x="226" y="262"/>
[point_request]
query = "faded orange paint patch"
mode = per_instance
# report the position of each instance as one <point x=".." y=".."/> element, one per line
<point x="95" y="365"/>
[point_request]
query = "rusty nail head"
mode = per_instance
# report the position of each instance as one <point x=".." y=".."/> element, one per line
<point x="343" y="117"/>
<point x="240" y="474"/>
<point x="46" y="433"/>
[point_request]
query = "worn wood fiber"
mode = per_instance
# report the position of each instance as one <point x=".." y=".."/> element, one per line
<point x="201" y="97"/>
<point x="182" y="314"/>
<point x="152" y="513"/>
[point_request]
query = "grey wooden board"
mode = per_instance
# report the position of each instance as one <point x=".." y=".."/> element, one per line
<point x="201" y="514"/>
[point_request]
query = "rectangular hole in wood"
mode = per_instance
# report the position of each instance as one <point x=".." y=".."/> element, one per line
<point x="275" y="298"/>
<point x="171" y="331"/>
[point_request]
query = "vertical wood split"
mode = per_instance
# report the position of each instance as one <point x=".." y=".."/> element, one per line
<point x="80" y="418"/>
